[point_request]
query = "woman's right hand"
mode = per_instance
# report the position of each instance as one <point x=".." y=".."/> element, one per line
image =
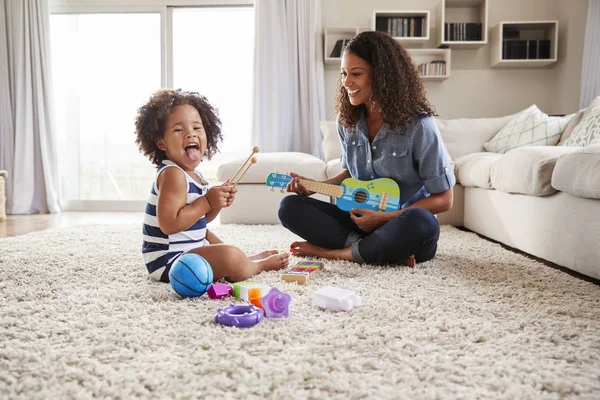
<point x="297" y="187"/>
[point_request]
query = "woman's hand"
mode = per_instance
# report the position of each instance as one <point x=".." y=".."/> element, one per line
<point x="296" y="187"/>
<point x="368" y="220"/>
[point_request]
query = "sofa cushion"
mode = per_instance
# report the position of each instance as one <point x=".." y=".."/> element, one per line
<point x="530" y="127"/>
<point x="303" y="164"/>
<point x="331" y="141"/>
<point x="587" y="131"/>
<point x="578" y="173"/>
<point x="527" y="170"/>
<point x="333" y="167"/>
<point x="473" y="170"/>
<point x="571" y="125"/>
<point x="467" y="135"/>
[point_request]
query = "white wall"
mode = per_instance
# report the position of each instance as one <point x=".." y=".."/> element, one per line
<point x="473" y="89"/>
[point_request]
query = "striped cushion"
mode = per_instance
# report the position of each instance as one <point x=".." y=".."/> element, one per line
<point x="530" y="127"/>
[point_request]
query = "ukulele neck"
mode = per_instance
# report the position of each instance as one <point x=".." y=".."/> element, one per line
<point x="323" y="188"/>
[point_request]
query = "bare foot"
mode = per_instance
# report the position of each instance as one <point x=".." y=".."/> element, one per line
<point x="263" y="255"/>
<point x="303" y="249"/>
<point x="274" y="262"/>
<point x="409" y="262"/>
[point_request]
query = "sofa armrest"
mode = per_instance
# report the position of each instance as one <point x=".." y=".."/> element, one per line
<point x="331" y="142"/>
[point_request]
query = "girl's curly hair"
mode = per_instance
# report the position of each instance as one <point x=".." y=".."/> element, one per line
<point x="151" y="117"/>
<point x="395" y="82"/>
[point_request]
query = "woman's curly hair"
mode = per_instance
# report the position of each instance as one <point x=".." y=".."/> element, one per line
<point x="395" y="83"/>
<point x="151" y="117"/>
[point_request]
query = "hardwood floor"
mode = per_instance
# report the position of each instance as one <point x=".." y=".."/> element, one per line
<point x="17" y="225"/>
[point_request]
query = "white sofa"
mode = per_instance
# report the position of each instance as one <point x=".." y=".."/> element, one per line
<point x="542" y="200"/>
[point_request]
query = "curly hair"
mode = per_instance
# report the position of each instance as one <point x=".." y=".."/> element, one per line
<point x="395" y="83"/>
<point x="151" y="117"/>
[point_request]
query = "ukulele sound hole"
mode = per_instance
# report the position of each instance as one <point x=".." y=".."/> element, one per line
<point x="360" y="196"/>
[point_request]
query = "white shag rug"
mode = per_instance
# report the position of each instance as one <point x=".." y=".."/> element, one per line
<point x="79" y="319"/>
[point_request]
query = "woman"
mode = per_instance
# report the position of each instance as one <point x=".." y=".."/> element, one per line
<point x="387" y="130"/>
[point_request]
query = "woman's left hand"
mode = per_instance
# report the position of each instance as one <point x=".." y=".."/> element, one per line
<point x="367" y="220"/>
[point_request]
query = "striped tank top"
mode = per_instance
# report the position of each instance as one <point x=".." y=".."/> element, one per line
<point x="160" y="250"/>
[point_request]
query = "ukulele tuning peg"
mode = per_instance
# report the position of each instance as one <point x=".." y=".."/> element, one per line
<point x="271" y="190"/>
<point x="282" y="191"/>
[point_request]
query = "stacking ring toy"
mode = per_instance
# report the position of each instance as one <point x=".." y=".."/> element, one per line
<point x="241" y="316"/>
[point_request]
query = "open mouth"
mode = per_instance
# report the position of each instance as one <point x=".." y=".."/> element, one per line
<point x="193" y="151"/>
<point x="352" y="92"/>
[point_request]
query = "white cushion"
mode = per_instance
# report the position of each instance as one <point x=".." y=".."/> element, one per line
<point x="303" y="164"/>
<point x="332" y="148"/>
<point x="571" y="125"/>
<point x="467" y="135"/>
<point x="473" y="170"/>
<point x="587" y="131"/>
<point x="333" y="167"/>
<point x="578" y="173"/>
<point x="527" y="170"/>
<point x="530" y="127"/>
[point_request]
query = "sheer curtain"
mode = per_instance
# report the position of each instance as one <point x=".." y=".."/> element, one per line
<point x="289" y="83"/>
<point x="590" y="70"/>
<point x="26" y="141"/>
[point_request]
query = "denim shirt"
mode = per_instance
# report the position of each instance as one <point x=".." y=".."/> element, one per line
<point x="415" y="157"/>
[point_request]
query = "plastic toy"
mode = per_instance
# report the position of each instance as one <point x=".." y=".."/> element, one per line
<point x="336" y="299"/>
<point x="276" y="303"/>
<point x="240" y="289"/>
<point x="190" y="275"/>
<point x="219" y="290"/>
<point x="240" y="315"/>
<point x="302" y="271"/>
<point x="254" y="297"/>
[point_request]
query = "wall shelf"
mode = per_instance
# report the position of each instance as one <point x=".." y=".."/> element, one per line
<point x="524" y="44"/>
<point x="331" y="37"/>
<point x="457" y="23"/>
<point x="437" y="56"/>
<point x="409" y="28"/>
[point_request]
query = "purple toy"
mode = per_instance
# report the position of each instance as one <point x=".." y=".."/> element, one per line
<point x="242" y="316"/>
<point x="219" y="290"/>
<point x="276" y="303"/>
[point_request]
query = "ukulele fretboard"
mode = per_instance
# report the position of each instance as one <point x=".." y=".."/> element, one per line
<point x="324" y="188"/>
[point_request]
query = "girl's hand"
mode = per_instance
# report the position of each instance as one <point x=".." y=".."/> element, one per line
<point x="296" y="187"/>
<point x="367" y="220"/>
<point x="232" y="193"/>
<point x="218" y="196"/>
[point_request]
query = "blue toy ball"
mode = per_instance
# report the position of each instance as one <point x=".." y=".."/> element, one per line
<point x="191" y="275"/>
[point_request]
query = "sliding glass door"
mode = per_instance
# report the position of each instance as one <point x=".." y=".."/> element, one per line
<point x="106" y="64"/>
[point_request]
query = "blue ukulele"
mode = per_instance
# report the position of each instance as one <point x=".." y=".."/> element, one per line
<point x="381" y="194"/>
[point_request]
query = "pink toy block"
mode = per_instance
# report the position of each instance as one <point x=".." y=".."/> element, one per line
<point x="219" y="290"/>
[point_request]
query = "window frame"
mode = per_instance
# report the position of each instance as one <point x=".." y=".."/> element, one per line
<point x="165" y="9"/>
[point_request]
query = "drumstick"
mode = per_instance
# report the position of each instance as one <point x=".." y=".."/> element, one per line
<point x="252" y="161"/>
<point x="255" y="149"/>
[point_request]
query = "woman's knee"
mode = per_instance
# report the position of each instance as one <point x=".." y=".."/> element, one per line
<point x="288" y="207"/>
<point x="423" y="222"/>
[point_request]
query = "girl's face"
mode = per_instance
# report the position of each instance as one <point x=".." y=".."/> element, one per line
<point x="184" y="139"/>
<point x="356" y="78"/>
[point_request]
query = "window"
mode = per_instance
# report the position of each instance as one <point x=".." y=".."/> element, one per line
<point x="105" y="65"/>
<point x="213" y="54"/>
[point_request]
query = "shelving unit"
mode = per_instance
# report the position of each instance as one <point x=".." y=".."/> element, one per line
<point x="459" y="13"/>
<point x="530" y="33"/>
<point x="427" y="56"/>
<point x="409" y="28"/>
<point x="332" y="35"/>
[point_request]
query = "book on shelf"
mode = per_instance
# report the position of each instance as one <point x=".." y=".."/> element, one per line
<point x="525" y="49"/>
<point x="401" y="26"/>
<point x="433" y="68"/>
<point x="338" y="48"/>
<point x="462" y="31"/>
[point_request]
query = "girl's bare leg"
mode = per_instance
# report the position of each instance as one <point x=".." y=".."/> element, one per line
<point x="214" y="239"/>
<point x="231" y="263"/>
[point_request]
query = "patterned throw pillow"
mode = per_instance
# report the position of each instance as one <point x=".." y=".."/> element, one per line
<point x="587" y="131"/>
<point x="530" y="127"/>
